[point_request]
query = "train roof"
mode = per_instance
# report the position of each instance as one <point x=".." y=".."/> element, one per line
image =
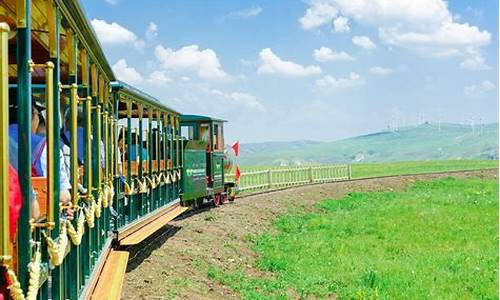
<point x="199" y="118"/>
<point x="72" y="16"/>
<point x="81" y="23"/>
<point x="140" y="96"/>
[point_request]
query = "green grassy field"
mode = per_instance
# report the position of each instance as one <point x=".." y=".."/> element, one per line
<point x="364" y="170"/>
<point x="437" y="240"/>
<point x="413" y="167"/>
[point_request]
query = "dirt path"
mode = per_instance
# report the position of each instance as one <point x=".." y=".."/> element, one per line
<point x="173" y="263"/>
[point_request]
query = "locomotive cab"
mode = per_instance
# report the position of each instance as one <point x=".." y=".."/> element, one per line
<point x="203" y="156"/>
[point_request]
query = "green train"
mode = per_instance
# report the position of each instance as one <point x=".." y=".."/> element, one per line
<point x="89" y="165"/>
<point x="205" y="162"/>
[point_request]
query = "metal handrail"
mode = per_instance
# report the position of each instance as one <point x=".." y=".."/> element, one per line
<point x="4" y="142"/>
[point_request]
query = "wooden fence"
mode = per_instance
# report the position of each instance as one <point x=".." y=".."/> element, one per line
<point x="252" y="181"/>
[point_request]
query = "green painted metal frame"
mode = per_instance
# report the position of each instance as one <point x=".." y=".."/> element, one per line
<point x="23" y="56"/>
<point x="70" y="280"/>
<point x="148" y="109"/>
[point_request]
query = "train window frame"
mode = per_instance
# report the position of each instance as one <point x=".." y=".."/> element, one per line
<point x="187" y="131"/>
<point x="218" y="137"/>
<point x="205" y="138"/>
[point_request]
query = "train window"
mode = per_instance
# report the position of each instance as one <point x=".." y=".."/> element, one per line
<point x="187" y="132"/>
<point x="218" y="137"/>
<point x="204" y="132"/>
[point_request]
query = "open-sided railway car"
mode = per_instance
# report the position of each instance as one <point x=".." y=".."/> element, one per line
<point x="119" y="150"/>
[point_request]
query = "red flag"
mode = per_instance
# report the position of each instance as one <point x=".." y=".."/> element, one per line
<point x="237" y="174"/>
<point x="236" y="148"/>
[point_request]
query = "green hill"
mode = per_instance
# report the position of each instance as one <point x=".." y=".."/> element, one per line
<point x="423" y="142"/>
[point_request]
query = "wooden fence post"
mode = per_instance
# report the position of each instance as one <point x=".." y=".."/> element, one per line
<point x="270" y="178"/>
<point x="311" y="178"/>
<point x="349" y="172"/>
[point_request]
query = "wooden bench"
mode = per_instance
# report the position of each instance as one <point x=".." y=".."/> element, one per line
<point x="40" y="186"/>
<point x="134" y="166"/>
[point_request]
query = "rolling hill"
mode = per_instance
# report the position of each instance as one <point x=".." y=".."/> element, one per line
<point x="422" y="142"/>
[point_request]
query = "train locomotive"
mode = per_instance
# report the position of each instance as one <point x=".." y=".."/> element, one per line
<point x="205" y="161"/>
<point x="110" y="166"/>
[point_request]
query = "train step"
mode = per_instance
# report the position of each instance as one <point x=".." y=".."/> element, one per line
<point x="109" y="284"/>
<point x="148" y="227"/>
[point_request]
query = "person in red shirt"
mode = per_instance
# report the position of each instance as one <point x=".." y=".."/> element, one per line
<point x="15" y="204"/>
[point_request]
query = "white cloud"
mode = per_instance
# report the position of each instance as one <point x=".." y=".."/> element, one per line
<point x="152" y="31"/>
<point x="112" y="2"/>
<point x="406" y="23"/>
<point x="480" y="89"/>
<point x="341" y="24"/>
<point x="448" y="34"/>
<point x="158" y="78"/>
<point x="363" y="42"/>
<point x="331" y="83"/>
<point x="270" y="63"/>
<point x="446" y="52"/>
<point x="189" y="58"/>
<point x="320" y="13"/>
<point x="475" y="62"/>
<point x="325" y="54"/>
<point x="248" y="63"/>
<point x="246" y="13"/>
<point x="126" y="73"/>
<point x="115" y="34"/>
<point x="377" y="70"/>
<point x="239" y="98"/>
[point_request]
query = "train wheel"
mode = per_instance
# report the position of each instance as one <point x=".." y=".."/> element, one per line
<point x="217" y="199"/>
<point x="224" y="199"/>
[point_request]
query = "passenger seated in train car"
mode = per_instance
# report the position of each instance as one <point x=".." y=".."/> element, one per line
<point x="66" y="136"/>
<point x="122" y="150"/>
<point x="39" y="154"/>
<point x="138" y="144"/>
<point x="65" y="142"/>
<point x="13" y="162"/>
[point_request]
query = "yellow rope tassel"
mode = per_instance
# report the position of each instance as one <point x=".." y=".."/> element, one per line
<point x="161" y="178"/>
<point x="151" y="182"/>
<point x="15" y="290"/>
<point x="76" y="235"/>
<point x="130" y="190"/>
<point x="98" y="205"/>
<point x="57" y="250"/>
<point x="143" y="186"/>
<point x="111" y="193"/>
<point x="174" y="178"/>
<point x="90" y="213"/>
<point x="104" y="196"/>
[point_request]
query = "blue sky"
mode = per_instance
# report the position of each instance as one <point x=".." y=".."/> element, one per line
<point x="319" y="69"/>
